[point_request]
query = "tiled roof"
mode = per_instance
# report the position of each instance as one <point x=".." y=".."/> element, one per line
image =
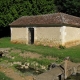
<point x="47" y="19"/>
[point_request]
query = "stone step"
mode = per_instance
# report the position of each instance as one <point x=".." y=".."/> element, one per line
<point x="52" y="74"/>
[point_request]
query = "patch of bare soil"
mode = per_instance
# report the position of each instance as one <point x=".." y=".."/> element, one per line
<point x="15" y="51"/>
<point x="30" y="55"/>
<point x="26" y="54"/>
<point x="13" y="74"/>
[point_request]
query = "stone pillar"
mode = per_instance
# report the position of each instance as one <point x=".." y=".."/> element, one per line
<point x="75" y="70"/>
<point x="63" y="35"/>
<point x="66" y="67"/>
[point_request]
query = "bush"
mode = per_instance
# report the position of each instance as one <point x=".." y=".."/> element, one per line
<point x="62" y="47"/>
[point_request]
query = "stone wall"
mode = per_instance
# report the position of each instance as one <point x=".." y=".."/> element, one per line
<point x="19" y="35"/>
<point x="48" y="36"/>
<point x="72" y="37"/>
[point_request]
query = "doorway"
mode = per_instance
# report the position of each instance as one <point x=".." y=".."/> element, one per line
<point x="31" y="36"/>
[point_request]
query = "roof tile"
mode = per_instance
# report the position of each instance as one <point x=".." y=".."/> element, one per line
<point x="47" y="19"/>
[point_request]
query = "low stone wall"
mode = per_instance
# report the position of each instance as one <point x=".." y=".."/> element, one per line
<point x="60" y="72"/>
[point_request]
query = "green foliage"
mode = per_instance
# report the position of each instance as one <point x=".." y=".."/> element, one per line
<point x="4" y="77"/>
<point x="68" y="6"/>
<point x="43" y="6"/>
<point x="13" y="9"/>
<point x="10" y="10"/>
<point x="62" y="47"/>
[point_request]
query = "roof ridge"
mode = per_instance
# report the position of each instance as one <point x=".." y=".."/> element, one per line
<point x="62" y="17"/>
<point x="41" y="15"/>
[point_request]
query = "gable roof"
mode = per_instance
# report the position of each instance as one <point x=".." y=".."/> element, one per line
<point x="47" y="19"/>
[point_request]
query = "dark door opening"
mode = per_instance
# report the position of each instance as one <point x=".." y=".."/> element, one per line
<point x="31" y="36"/>
<point x="60" y="78"/>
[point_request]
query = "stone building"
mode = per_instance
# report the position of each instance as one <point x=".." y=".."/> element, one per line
<point x="57" y="29"/>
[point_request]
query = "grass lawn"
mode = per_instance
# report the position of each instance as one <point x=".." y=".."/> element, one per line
<point x="73" y="52"/>
<point x="4" y="77"/>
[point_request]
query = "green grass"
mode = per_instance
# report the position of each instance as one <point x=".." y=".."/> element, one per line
<point x="73" y="52"/>
<point x="4" y="77"/>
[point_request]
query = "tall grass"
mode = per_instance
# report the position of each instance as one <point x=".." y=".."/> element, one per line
<point x="73" y="52"/>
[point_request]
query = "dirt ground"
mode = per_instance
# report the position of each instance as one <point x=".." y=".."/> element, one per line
<point x="8" y="71"/>
<point x="13" y="74"/>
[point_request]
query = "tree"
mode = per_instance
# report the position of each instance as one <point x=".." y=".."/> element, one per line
<point x="10" y="10"/>
<point x="43" y="6"/>
<point x="5" y="15"/>
<point x="68" y="6"/>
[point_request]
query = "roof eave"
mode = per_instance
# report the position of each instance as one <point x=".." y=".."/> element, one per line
<point x="44" y="25"/>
